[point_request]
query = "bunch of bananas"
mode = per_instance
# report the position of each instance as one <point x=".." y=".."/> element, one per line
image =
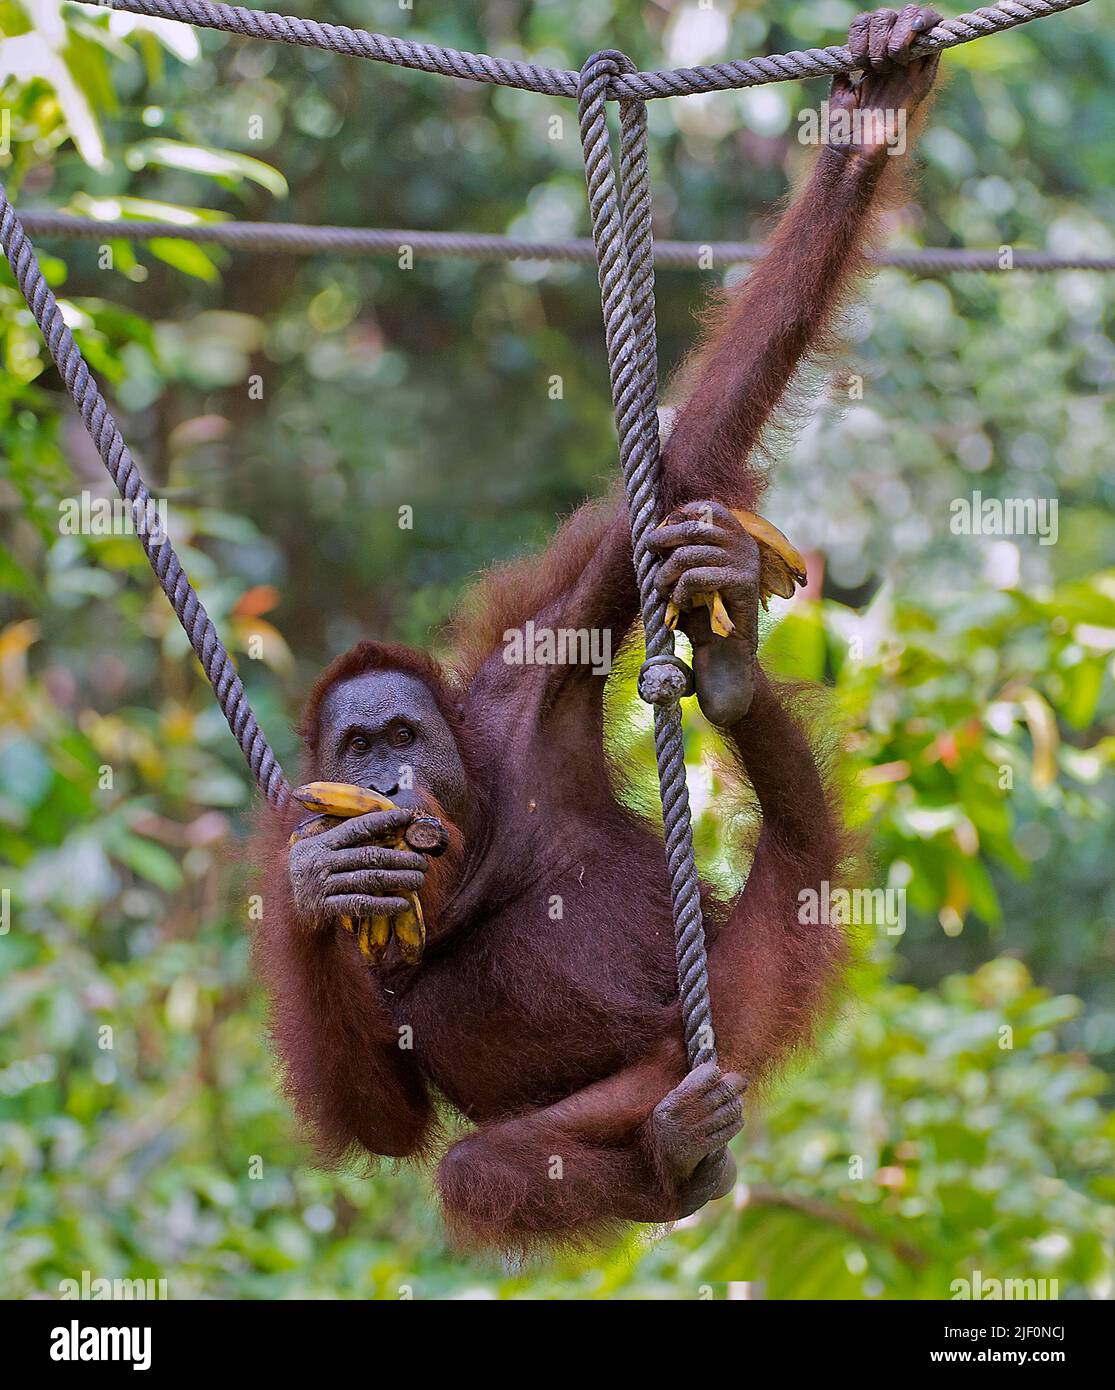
<point x="333" y="802"/>
<point x="782" y="567"/>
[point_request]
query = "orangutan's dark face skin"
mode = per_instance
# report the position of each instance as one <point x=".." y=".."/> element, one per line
<point x="383" y="730"/>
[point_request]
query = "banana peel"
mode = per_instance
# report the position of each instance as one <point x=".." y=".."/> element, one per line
<point x="332" y="803"/>
<point x="781" y="570"/>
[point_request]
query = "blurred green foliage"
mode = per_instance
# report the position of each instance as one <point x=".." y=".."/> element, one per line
<point x="956" y="1121"/>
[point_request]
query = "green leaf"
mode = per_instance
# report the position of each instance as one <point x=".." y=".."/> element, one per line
<point x="28" y="57"/>
<point x="199" y="159"/>
<point x="1083" y="686"/>
<point x="185" y="256"/>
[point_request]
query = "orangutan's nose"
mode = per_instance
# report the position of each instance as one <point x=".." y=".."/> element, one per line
<point x="385" y="791"/>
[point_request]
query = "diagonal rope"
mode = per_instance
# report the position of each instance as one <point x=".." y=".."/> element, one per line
<point x="117" y="459"/>
<point x="622" y="234"/>
<point x="561" y="82"/>
<point x="300" y="239"/>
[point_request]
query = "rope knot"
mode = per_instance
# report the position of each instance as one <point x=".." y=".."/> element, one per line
<point x="601" y="67"/>
<point x="664" y="680"/>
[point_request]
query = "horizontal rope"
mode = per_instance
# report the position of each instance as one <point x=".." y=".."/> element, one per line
<point x="299" y="239"/>
<point x="562" y="82"/>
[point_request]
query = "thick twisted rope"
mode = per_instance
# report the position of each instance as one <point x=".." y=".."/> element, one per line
<point x="622" y="235"/>
<point x="117" y="459"/>
<point x="300" y="239"/>
<point x="561" y="82"/>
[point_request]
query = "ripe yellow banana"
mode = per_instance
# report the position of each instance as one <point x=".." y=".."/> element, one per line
<point x="341" y="799"/>
<point x="781" y="569"/>
<point x="337" y="801"/>
<point x="372" y="935"/>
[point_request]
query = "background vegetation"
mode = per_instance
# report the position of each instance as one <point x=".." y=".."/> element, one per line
<point x="973" y="675"/>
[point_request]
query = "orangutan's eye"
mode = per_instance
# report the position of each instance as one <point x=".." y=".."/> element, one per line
<point x="360" y="744"/>
<point x="401" y="735"/>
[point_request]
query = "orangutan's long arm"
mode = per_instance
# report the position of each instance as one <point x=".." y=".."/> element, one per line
<point x="756" y="339"/>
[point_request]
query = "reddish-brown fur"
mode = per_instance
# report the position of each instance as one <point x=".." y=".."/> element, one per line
<point x="554" y="1038"/>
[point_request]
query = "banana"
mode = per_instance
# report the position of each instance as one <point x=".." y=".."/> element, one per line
<point x="340" y="799"/>
<point x="337" y="801"/>
<point x="781" y="569"/>
<point x="410" y="932"/>
<point x="372" y="936"/>
<point x="718" y="618"/>
<point x="782" y="565"/>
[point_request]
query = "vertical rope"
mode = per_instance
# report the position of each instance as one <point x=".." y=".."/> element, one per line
<point x="621" y="231"/>
<point x="117" y="459"/>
